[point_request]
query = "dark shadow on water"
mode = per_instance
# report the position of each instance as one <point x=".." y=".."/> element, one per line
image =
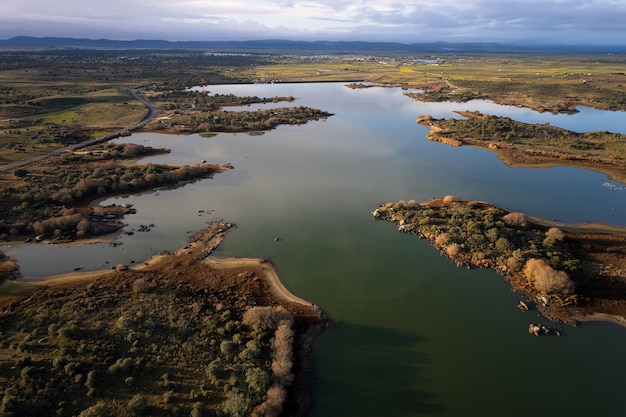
<point x="370" y="371"/>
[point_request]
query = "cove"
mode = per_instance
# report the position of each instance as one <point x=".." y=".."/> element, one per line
<point x="414" y="335"/>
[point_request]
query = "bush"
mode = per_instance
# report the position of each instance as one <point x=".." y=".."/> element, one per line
<point x="100" y="409"/>
<point x="273" y="405"/>
<point x="555" y="233"/>
<point x="137" y="405"/>
<point x="282" y="353"/>
<point x="546" y="279"/>
<point x="140" y="285"/>
<point x="516" y="219"/>
<point x="236" y="406"/>
<point x="262" y="318"/>
<point x="442" y="239"/>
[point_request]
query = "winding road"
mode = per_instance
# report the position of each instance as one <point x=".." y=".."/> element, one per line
<point x="151" y="114"/>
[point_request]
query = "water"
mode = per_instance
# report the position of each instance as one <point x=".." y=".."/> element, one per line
<point x="415" y="335"/>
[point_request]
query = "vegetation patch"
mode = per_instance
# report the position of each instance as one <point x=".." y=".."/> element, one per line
<point x="198" y="112"/>
<point x="561" y="268"/>
<point x="530" y="144"/>
<point x="176" y="337"/>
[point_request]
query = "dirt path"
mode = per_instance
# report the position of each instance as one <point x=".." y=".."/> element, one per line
<point x="276" y="285"/>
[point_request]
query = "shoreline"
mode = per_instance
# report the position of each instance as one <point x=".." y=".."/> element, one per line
<point x="270" y="275"/>
<point x="600" y="318"/>
<point x="519" y="156"/>
<point x="594" y="295"/>
<point x="195" y="275"/>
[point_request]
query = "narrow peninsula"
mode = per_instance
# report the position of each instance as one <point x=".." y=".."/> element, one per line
<point x="182" y="334"/>
<point x="569" y="272"/>
<point x="524" y="144"/>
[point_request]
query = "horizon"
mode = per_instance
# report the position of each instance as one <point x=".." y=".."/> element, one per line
<point x="532" y="22"/>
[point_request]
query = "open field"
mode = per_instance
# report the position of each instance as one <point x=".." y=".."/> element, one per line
<point x="54" y="98"/>
<point x="542" y="82"/>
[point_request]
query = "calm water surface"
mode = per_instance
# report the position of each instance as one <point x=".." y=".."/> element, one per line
<point x="415" y="335"/>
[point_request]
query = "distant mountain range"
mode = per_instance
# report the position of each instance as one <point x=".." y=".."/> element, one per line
<point x="280" y="44"/>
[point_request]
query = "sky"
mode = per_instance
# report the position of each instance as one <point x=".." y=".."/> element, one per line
<point x="587" y="22"/>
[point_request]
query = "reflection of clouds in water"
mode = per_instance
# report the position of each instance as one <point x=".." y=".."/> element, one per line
<point x="372" y="150"/>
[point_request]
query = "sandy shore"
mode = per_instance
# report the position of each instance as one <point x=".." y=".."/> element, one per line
<point x="277" y="287"/>
<point x="601" y="317"/>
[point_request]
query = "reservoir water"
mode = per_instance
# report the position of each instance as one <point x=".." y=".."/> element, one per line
<point x="415" y="335"/>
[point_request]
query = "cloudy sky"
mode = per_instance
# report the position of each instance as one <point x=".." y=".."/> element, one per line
<point x="407" y="21"/>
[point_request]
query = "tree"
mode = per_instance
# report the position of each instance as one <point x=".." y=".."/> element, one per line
<point x="257" y="379"/>
<point x="137" y="405"/>
<point x="100" y="409"/>
<point x="546" y="279"/>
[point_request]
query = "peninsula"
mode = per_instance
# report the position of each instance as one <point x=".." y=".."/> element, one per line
<point x="569" y="272"/>
<point x="524" y="144"/>
<point x="182" y="333"/>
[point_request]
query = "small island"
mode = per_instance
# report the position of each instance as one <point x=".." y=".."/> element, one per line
<point x="569" y="272"/>
<point x="190" y="111"/>
<point x="524" y="144"/>
<point x="181" y="334"/>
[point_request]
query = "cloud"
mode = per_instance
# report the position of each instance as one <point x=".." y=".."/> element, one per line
<point x="567" y="21"/>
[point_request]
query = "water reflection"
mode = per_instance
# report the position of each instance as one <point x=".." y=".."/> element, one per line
<point x="374" y="371"/>
<point x="417" y="335"/>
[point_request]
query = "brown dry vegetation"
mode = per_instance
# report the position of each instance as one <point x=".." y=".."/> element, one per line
<point x="51" y="198"/>
<point x="170" y="337"/>
<point x="570" y="271"/>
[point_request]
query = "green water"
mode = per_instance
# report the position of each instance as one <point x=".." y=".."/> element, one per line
<point x="414" y="335"/>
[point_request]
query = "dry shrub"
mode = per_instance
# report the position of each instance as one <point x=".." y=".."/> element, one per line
<point x="100" y="409"/>
<point x="262" y="318"/>
<point x="448" y="199"/>
<point x="515" y="219"/>
<point x="514" y="263"/>
<point x="282" y="353"/>
<point x="273" y="405"/>
<point x="546" y="279"/>
<point x="555" y="233"/>
<point x="452" y="249"/>
<point x="442" y="239"/>
<point x="140" y="285"/>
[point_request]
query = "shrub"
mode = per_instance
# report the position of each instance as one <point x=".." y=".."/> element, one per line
<point x="515" y="219"/>
<point x="282" y="353"/>
<point x="273" y="405"/>
<point x="196" y="411"/>
<point x="514" y="263"/>
<point x="91" y="380"/>
<point x="137" y="405"/>
<point x="448" y="199"/>
<point x="452" y="249"/>
<point x="262" y="318"/>
<point x="140" y="285"/>
<point x="236" y="406"/>
<point x="546" y="279"/>
<point x="257" y="379"/>
<point x="555" y="233"/>
<point x="100" y="409"/>
<point x="442" y="239"/>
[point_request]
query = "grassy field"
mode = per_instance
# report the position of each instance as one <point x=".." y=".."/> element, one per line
<point x="54" y="98"/>
<point x="543" y="82"/>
